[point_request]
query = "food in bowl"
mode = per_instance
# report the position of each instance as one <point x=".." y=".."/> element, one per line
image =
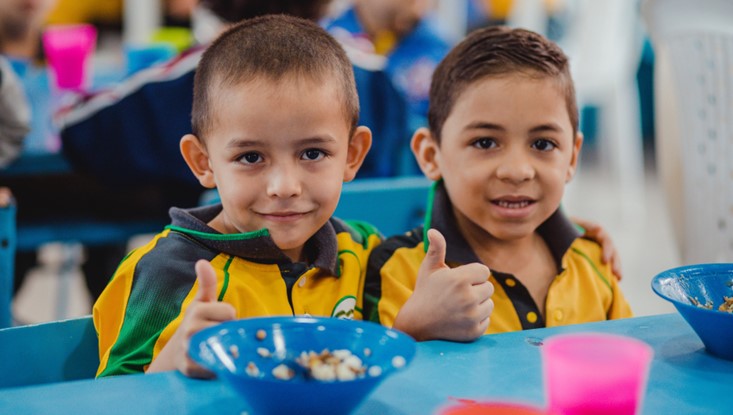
<point x="326" y="365"/>
<point x="329" y="366"/>
<point x="726" y="306"/>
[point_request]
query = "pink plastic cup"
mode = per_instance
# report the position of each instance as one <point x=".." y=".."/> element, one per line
<point x="69" y="50"/>
<point x="589" y="373"/>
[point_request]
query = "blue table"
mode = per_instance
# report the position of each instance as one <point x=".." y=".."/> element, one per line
<point x="684" y="379"/>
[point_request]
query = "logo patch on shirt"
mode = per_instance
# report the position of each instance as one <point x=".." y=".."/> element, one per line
<point x="345" y="308"/>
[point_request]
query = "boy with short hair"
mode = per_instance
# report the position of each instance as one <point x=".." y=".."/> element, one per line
<point x="275" y="131"/>
<point x="502" y="142"/>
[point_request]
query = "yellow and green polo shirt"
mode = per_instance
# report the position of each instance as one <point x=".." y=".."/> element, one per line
<point x="584" y="289"/>
<point x="143" y="304"/>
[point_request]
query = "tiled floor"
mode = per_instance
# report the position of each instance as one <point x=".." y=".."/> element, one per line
<point x="638" y="223"/>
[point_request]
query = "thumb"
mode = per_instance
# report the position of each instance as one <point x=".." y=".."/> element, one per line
<point x="435" y="257"/>
<point x="206" y="278"/>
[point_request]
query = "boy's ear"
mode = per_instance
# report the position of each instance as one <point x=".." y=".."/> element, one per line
<point x="197" y="158"/>
<point x="577" y="145"/>
<point x="425" y="150"/>
<point x="359" y="146"/>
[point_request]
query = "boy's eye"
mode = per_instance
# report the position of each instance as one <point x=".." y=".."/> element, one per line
<point x="250" y="158"/>
<point x="543" y="145"/>
<point x="313" y="154"/>
<point x="484" y="143"/>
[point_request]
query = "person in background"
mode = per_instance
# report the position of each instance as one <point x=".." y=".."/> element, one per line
<point x="15" y="114"/>
<point x="502" y="143"/>
<point x="21" y="25"/>
<point x="403" y="32"/>
<point x="14" y="121"/>
<point x="59" y="196"/>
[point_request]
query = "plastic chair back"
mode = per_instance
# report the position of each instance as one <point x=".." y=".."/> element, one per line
<point x="693" y="46"/>
<point x="50" y="352"/>
<point x="7" y="259"/>
<point x="604" y="42"/>
<point x="393" y="205"/>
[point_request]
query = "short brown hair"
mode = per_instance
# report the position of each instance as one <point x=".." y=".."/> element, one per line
<point x="497" y="51"/>
<point x="270" y="47"/>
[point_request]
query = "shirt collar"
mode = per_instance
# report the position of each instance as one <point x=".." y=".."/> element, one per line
<point x="557" y="231"/>
<point x="257" y="246"/>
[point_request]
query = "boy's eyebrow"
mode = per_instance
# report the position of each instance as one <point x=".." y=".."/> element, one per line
<point x="481" y="125"/>
<point x="546" y="127"/>
<point x="243" y="143"/>
<point x="553" y="127"/>
<point x="239" y="143"/>
<point x="317" y="140"/>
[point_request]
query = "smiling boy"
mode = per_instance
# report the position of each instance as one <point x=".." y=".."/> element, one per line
<point x="275" y="130"/>
<point x="502" y="143"/>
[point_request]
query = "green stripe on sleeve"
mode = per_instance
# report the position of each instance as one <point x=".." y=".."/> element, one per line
<point x="595" y="269"/>
<point x="429" y="213"/>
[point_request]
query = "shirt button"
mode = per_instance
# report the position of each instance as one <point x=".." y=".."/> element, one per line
<point x="558" y="315"/>
<point x="301" y="283"/>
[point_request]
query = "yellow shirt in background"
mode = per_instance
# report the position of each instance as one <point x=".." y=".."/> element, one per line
<point x="86" y="11"/>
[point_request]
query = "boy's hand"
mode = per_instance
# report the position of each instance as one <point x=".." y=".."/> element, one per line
<point x="449" y="304"/>
<point x="204" y="311"/>
<point x="595" y="232"/>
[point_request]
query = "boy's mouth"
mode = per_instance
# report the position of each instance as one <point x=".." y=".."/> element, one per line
<point x="283" y="216"/>
<point x="513" y="202"/>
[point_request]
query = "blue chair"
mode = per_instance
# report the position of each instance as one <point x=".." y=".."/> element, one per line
<point x="393" y="205"/>
<point x="7" y="257"/>
<point x="50" y="352"/>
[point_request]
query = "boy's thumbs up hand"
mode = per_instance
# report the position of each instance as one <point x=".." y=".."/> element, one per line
<point x="203" y="311"/>
<point x="435" y="257"/>
<point x="206" y="279"/>
<point x="447" y="303"/>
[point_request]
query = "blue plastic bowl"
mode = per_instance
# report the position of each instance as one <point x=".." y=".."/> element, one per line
<point x="707" y="284"/>
<point x="228" y="348"/>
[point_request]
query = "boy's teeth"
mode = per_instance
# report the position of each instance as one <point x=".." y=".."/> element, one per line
<point x="513" y="205"/>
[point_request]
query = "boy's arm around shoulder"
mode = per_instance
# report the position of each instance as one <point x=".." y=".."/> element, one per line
<point x="447" y="303"/>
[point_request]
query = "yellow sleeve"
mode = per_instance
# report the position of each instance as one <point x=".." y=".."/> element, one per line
<point x="620" y="308"/>
<point x="399" y="275"/>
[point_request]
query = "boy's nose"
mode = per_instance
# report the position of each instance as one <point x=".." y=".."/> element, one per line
<point x="283" y="182"/>
<point x="515" y="168"/>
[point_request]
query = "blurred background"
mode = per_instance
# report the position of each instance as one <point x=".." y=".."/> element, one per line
<point x="394" y="51"/>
